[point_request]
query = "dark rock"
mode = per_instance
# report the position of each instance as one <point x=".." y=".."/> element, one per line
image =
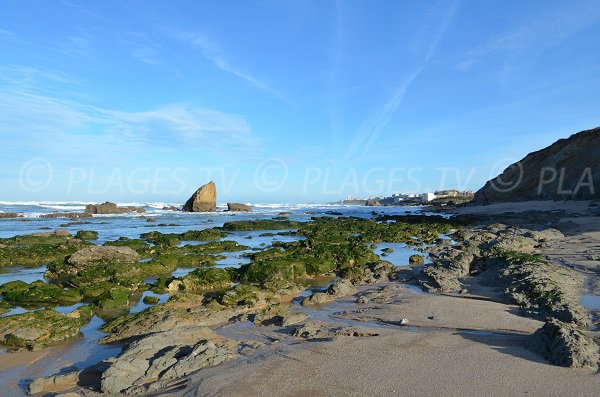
<point x="203" y="200"/>
<point x="238" y="207"/>
<point x="7" y="215"/>
<point x="67" y="215"/>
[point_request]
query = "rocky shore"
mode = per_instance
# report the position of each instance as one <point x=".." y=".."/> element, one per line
<point x="478" y="274"/>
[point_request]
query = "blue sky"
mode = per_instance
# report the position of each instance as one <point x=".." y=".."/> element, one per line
<point x="295" y="101"/>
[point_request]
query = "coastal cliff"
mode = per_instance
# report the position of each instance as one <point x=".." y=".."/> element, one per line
<point x="569" y="169"/>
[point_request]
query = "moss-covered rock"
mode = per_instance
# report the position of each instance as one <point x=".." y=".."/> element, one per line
<point x="416" y="260"/>
<point x="150" y="300"/>
<point x="140" y="246"/>
<point x="214" y="233"/>
<point x="260" y="224"/>
<point x="35" y="330"/>
<point x="116" y="297"/>
<point x="203" y="279"/>
<point x="38" y="249"/>
<point x="38" y="292"/>
<point x="87" y="235"/>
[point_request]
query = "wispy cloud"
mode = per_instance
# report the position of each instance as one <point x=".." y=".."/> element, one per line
<point x="33" y="121"/>
<point x="371" y="129"/>
<point x="143" y="48"/>
<point x="540" y="32"/>
<point x="78" y="46"/>
<point x="213" y="52"/>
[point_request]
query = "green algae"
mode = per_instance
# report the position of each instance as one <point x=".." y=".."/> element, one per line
<point x="38" y="292"/>
<point x="35" y="330"/>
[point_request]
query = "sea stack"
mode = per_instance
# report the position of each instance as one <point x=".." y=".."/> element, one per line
<point x="204" y="200"/>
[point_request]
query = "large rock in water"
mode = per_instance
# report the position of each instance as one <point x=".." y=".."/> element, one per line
<point x="204" y="200"/>
<point x="569" y="169"/>
<point x="238" y="207"/>
<point x="110" y="208"/>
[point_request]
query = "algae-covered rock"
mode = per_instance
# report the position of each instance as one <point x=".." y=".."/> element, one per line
<point x="87" y="256"/>
<point x="38" y="292"/>
<point x="565" y="345"/>
<point x="540" y="286"/>
<point x="114" y="298"/>
<point x="260" y="224"/>
<point x="35" y="330"/>
<point x="87" y="235"/>
<point x="204" y="279"/>
<point x="416" y="260"/>
<point x="38" y="249"/>
<point x="150" y="300"/>
<point x="140" y="246"/>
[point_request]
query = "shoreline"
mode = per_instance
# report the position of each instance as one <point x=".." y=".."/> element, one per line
<point x="474" y="321"/>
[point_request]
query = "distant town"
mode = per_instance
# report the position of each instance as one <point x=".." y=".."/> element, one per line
<point x="440" y="197"/>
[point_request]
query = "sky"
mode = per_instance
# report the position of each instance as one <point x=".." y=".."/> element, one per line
<point x="285" y="101"/>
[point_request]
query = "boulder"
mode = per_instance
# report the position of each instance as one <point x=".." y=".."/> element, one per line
<point x="342" y="287"/>
<point x="203" y="200"/>
<point x="54" y="383"/>
<point x="372" y="203"/>
<point x="238" y="207"/>
<point x="565" y="345"/>
<point x="317" y="298"/>
<point x="293" y="318"/>
<point x="89" y="255"/>
<point x="110" y="208"/>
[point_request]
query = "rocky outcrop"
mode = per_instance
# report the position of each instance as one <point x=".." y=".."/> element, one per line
<point x="110" y="208"/>
<point x="150" y="364"/>
<point x="8" y="215"/>
<point x="238" y="207"/>
<point x="372" y="203"/>
<point x="569" y="169"/>
<point x="203" y="200"/>
<point x="89" y="255"/>
<point x="504" y="256"/>
<point x="564" y="345"/>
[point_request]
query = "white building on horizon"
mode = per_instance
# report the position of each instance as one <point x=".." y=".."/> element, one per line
<point x="427" y="197"/>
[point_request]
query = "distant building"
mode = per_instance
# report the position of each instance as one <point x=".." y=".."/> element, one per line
<point x="427" y="197"/>
<point x="447" y="193"/>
